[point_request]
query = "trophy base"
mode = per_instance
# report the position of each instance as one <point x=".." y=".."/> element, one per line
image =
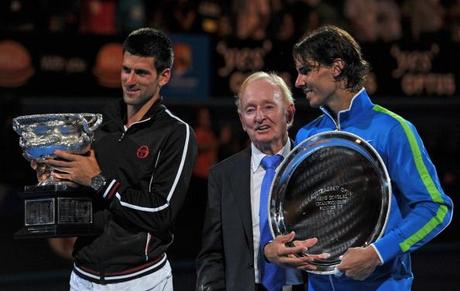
<point x="49" y="231"/>
<point x="57" y="211"/>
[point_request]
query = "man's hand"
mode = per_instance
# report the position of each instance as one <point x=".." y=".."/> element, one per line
<point x="76" y="168"/>
<point x="42" y="171"/>
<point x="285" y="252"/>
<point x="359" y="263"/>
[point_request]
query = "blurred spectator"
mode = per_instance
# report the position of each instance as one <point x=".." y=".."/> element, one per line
<point x="284" y="20"/>
<point x="214" y="18"/>
<point x="388" y="20"/>
<point x="252" y="18"/>
<point x="228" y="142"/>
<point x="155" y="17"/>
<point x="322" y="13"/>
<point x="130" y="15"/>
<point x="207" y="143"/>
<point x="19" y="15"/>
<point x="210" y="12"/>
<point x="453" y="14"/>
<point x="282" y="25"/>
<point x="300" y="11"/>
<point x="310" y="14"/>
<point x="225" y="28"/>
<point x="425" y="17"/>
<point x="182" y="16"/>
<point x="61" y="16"/>
<point x="362" y="16"/>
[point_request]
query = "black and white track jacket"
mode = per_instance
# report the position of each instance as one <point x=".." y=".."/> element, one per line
<point x="148" y="169"/>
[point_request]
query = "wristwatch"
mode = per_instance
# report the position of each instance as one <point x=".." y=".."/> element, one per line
<point x="98" y="182"/>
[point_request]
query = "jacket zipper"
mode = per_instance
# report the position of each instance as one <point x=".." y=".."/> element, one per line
<point x="337" y="123"/>
<point x="122" y="136"/>
<point x="126" y="129"/>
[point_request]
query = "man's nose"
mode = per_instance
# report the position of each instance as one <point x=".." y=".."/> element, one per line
<point x="131" y="79"/>
<point x="300" y="81"/>
<point x="259" y="114"/>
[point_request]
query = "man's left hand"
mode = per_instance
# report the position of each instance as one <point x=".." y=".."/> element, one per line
<point x="359" y="263"/>
<point x="285" y="251"/>
<point x="73" y="167"/>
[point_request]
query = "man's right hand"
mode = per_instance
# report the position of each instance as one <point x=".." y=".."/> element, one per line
<point x="286" y="252"/>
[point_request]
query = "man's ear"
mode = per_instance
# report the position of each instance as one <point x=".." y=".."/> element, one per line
<point x="290" y="111"/>
<point x="337" y="67"/>
<point x="165" y="76"/>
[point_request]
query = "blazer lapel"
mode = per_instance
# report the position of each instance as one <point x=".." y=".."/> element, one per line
<point x="241" y="183"/>
<point x="241" y="189"/>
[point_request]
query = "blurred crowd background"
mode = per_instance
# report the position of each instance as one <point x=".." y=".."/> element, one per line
<point x="65" y="56"/>
<point x="368" y="20"/>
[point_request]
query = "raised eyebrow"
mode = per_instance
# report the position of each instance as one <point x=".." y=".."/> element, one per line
<point x="304" y="70"/>
<point x="248" y="107"/>
<point x="269" y="103"/>
<point x="141" y="71"/>
<point x="137" y="71"/>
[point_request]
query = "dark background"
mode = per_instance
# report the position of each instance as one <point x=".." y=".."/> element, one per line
<point x="415" y="74"/>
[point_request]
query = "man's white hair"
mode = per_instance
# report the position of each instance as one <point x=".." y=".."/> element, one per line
<point x="273" y="79"/>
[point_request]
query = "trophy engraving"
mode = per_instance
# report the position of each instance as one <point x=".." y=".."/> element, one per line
<point x="55" y="208"/>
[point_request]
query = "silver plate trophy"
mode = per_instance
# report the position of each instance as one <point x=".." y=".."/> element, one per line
<point x="333" y="186"/>
<point x="54" y="208"/>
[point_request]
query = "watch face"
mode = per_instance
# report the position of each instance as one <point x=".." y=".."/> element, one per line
<point x="97" y="182"/>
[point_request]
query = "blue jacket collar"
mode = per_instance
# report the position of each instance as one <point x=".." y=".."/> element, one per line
<point x="359" y="104"/>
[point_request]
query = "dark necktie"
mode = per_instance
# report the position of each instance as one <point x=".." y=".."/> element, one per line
<point x="272" y="276"/>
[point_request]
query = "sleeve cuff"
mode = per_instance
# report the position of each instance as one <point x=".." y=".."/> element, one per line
<point x="378" y="253"/>
<point x="387" y="247"/>
<point x="111" y="187"/>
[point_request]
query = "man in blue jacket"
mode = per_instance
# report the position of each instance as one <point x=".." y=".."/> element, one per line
<point x="331" y="73"/>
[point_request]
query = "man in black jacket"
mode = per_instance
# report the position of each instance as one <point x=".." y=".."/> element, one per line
<point x="231" y="256"/>
<point x="140" y="168"/>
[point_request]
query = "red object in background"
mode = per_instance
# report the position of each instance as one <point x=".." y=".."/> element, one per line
<point x="108" y="65"/>
<point x="98" y="16"/>
<point x="15" y="64"/>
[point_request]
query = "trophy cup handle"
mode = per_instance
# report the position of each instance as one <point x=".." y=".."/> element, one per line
<point x="17" y="126"/>
<point x="92" y="121"/>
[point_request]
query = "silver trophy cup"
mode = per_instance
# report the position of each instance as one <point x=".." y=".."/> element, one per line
<point x="54" y="208"/>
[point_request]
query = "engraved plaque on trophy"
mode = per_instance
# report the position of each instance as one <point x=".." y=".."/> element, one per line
<point x="56" y="208"/>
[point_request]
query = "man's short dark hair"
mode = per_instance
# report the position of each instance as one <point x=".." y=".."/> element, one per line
<point x="329" y="43"/>
<point x="150" y="42"/>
